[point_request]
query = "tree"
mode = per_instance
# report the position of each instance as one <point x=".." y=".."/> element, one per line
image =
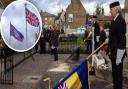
<point x="102" y="11"/>
<point x="99" y="10"/>
<point x="107" y="25"/>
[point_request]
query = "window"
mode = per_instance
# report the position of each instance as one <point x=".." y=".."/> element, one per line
<point x="50" y="19"/>
<point x="45" y="18"/>
<point x="70" y="18"/>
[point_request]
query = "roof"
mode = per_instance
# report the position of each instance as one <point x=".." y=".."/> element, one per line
<point x="60" y="15"/>
<point x="124" y="10"/>
<point x="46" y="14"/>
<point x="106" y="18"/>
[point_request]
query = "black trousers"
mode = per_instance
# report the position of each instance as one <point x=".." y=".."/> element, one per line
<point x="96" y="45"/>
<point x="89" y="46"/>
<point x="42" y="45"/>
<point x="36" y="47"/>
<point x="117" y="73"/>
<point x="55" y="53"/>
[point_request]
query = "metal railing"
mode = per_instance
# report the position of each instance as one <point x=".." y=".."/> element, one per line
<point x="6" y="62"/>
<point x="70" y="44"/>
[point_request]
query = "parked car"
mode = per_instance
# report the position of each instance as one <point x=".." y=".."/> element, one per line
<point x="78" y="32"/>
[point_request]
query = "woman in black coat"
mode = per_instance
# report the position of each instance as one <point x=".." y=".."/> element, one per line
<point x="54" y="42"/>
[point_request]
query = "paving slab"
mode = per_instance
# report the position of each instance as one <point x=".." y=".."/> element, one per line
<point x="31" y="73"/>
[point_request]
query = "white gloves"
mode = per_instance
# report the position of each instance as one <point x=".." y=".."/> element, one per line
<point x="119" y="55"/>
<point x="106" y="41"/>
<point x="90" y="33"/>
<point x="53" y="47"/>
<point x="97" y="38"/>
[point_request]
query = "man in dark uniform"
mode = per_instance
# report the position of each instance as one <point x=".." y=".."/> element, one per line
<point x="96" y="32"/>
<point x="117" y="44"/>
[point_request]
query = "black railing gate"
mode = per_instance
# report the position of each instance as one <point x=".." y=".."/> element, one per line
<point x="6" y="66"/>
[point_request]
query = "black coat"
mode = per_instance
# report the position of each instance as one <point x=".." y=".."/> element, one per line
<point x="117" y="38"/>
<point x="96" y="30"/>
<point x="54" y="39"/>
<point x="102" y="36"/>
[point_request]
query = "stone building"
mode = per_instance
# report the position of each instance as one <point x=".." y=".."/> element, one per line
<point x="3" y="5"/>
<point x="75" y="15"/>
<point x="60" y="19"/>
<point x="47" y="18"/>
<point x="125" y="10"/>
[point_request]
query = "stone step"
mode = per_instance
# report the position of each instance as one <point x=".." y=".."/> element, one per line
<point x="107" y="75"/>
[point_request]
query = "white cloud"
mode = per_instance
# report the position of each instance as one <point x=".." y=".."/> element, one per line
<point x="53" y="6"/>
<point x="89" y="9"/>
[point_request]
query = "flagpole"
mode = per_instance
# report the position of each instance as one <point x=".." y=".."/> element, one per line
<point x="10" y="37"/>
<point x="26" y="28"/>
<point x="39" y="30"/>
<point x="10" y="40"/>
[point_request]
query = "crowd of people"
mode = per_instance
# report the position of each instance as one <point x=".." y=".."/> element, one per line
<point x="49" y="36"/>
<point x="99" y="35"/>
<point x="116" y="43"/>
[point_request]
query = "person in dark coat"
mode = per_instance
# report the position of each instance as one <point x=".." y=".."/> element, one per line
<point x="103" y="36"/>
<point x="36" y="46"/>
<point x="117" y="44"/>
<point x="96" y="32"/>
<point x="54" y="42"/>
<point x="88" y="37"/>
<point x="43" y="42"/>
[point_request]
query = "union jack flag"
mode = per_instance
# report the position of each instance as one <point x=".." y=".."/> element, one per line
<point x="31" y="18"/>
<point x="63" y="87"/>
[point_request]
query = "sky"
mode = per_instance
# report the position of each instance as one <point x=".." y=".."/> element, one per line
<point x="15" y="14"/>
<point x="55" y="6"/>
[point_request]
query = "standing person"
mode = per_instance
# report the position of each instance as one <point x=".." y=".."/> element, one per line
<point x="47" y="37"/>
<point x="43" y="42"/>
<point x="54" y="39"/>
<point x="36" y="46"/>
<point x="88" y="37"/>
<point x="103" y="36"/>
<point x="117" y="44"/>
<point x="96" y="32"/>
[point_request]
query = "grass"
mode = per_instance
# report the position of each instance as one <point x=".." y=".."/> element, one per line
<point x="77" y="42"/>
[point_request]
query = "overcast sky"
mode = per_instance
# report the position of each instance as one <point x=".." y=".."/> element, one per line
<point x="15" y="14"/>
<point x="54" y="6"/>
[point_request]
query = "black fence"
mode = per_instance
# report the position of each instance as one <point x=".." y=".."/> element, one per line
<point x="6" y="62"/>
<point x="70" y="44"/>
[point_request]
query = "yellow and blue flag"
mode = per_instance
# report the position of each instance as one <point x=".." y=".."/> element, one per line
<point x="77" y="79"/>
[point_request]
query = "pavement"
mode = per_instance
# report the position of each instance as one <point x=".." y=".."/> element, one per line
<point x="31" y="73"/>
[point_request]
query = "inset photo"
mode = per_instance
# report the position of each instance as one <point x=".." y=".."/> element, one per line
<point x="21" y="26"/>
